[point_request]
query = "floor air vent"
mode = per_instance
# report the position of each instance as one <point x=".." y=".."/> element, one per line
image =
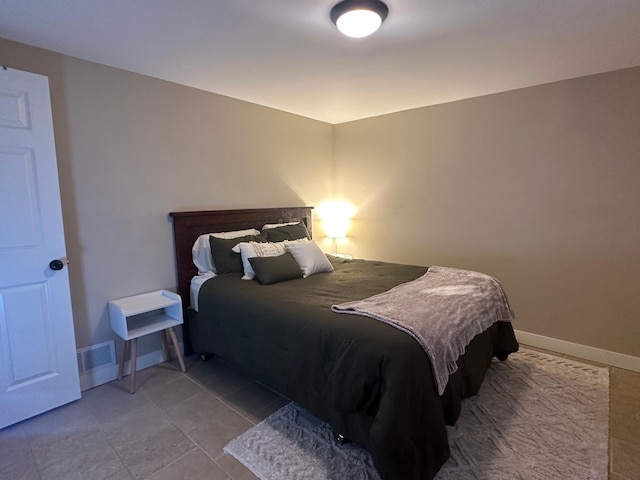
<point x="96" y="357"/>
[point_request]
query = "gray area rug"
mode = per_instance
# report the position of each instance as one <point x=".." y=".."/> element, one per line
<point x="536" y="417"/>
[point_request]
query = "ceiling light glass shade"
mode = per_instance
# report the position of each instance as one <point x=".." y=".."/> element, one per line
<point x="359" y="18"/>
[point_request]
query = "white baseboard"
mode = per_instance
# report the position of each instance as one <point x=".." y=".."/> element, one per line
<point x="598" y="355"/>
<point x="100" y="376"/>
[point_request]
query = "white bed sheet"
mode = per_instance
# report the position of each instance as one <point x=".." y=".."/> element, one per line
<point x="196" y="284"/>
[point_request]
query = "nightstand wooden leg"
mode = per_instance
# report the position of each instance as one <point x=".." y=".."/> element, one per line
<point x="123" y="358"/>
<point x="165" y="345"/>
<point x="174" y="340"/>
<point x="134" y="355"/>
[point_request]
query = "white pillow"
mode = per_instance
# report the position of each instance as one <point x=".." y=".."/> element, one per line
<point x="310" y="258"/>
<point x="249" y="250"/>
<point x="276" y="225"/>
<point x="201" y="250"/>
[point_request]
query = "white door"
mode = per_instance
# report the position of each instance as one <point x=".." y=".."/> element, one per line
<point x="38" y="366"/>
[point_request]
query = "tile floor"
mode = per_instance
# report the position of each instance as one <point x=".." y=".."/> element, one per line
<point x="175" y="426"/>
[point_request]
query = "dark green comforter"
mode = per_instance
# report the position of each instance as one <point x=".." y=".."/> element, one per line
<point x="370" y="381"/>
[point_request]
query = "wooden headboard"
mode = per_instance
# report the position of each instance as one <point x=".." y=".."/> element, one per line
<point x="188" y="226"/>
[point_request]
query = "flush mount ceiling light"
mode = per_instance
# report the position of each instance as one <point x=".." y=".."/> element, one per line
<point x="359" y="18"/>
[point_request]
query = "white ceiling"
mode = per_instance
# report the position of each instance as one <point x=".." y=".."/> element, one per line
<point x="287" y="54"/>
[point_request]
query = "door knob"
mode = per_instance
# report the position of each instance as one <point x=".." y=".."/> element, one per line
<point x="56" y="264"/>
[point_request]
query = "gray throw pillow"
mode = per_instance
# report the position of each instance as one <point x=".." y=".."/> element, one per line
<point x="225" y="259"/>
<point x="275" y="269"/>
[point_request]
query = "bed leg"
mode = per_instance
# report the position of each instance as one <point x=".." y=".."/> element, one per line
<point x="205" y="357"/>
<point x="340" y="439"/>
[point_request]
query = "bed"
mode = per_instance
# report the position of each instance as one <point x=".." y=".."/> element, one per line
<point x="370" y="381"/>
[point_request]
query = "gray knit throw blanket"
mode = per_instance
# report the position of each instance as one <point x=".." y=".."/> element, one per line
<point x="443" y="310"/>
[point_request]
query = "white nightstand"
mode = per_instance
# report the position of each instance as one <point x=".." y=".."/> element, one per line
<point x="133" y="317"/>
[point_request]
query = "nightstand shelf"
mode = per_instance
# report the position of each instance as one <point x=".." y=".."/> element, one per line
<point x="139" y="315"/>
<point x="140" y="326"/>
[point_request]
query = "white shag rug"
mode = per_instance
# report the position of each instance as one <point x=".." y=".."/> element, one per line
<point x="536" y="417"/>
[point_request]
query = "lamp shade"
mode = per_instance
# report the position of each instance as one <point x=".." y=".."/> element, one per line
<point x="359" y="18"/>
<point x="336" y="227"/>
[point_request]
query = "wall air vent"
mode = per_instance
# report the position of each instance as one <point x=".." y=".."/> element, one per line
<point x="96" y="357"/>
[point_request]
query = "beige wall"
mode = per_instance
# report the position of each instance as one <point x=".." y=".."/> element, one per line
<point x="539" y="187"/>
<point x="131" y="149"/>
